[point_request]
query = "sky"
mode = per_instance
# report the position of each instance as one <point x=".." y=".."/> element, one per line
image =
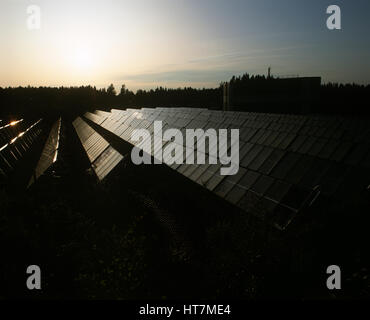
<point x="176" y="43"/>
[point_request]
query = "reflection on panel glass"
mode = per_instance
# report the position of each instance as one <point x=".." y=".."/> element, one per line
<point x="283" y="159"/>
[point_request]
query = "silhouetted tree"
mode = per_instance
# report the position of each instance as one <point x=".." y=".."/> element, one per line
<point x="111" y="91"/>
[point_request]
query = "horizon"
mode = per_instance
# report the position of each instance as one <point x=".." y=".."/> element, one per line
<point x="97" y="43"/>
<point x="117" y="88"/>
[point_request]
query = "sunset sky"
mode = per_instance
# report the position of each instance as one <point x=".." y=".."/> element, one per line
<point x="175" y="43"/>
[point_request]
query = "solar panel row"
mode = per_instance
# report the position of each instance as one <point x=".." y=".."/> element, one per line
<point x="49" y="153"/>
<point x="16" y="139"/>
<point x="12" y="129"/>
<point x="102" y="156"/>
<point x="285" y="160"/>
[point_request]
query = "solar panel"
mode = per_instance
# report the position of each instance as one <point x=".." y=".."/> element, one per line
<point x="283" y="158"/>
<point x="106" y="162"/>
<point x="281" y="170"/>
<point x="210" y="171"/>
<point x="49" y="153"/>
<point x="260" y="158"/>
<point x="271" y="161"/>
<point x="94" y="146"/>
<point x="317" y="146"/>
<point x="297" y="143"/>
<point x="102" y="156"/>
<point x="249" y="157"/>
<point x="262" y="184"/>
<point x="17" y="138"/>
<point x="277" y="190"/>
<point x="228" y="183"/>
<point x="298" y="170"/>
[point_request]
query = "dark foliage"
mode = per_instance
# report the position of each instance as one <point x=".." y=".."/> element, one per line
<point x="247" y="93"/>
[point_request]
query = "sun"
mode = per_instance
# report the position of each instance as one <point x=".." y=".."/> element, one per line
<point x="82" y="58"/>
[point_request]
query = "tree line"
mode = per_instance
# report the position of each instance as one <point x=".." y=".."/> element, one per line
<point x="272" y="95"/>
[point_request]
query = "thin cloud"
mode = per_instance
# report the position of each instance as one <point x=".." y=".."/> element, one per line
<point x="212" y="69"/>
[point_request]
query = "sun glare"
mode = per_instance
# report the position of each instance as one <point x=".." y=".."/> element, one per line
<point x="82" y="58"/>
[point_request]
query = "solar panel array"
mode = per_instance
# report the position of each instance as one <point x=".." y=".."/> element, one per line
<point x="286" y="161"/>
<point x="16" y="138"/>
<point x="49" y="153"/>
<point x="102" y="156"/>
